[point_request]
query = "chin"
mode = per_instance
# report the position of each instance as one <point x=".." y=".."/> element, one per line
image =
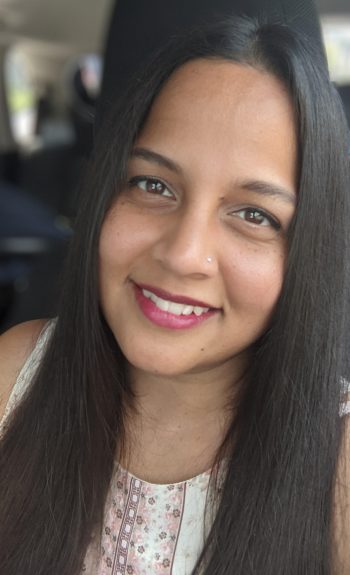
<point x="156" y="365"/>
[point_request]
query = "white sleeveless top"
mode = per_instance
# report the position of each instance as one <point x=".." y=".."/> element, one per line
<point x="148" y="528"/>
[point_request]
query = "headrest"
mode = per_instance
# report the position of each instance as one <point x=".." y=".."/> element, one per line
<point x="140" y="27"/>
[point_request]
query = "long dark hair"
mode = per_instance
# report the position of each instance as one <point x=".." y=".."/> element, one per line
<point x="274" y="514"/>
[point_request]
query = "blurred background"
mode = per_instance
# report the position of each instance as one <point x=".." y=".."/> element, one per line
<point x="55" y="58"/>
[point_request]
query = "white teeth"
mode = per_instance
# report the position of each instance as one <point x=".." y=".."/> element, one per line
<point x="175" y="308"/>
<point x="199" y="310"/>
<point x="163" y="304"/>
<point x="187" y="310"/>
<point x="172" y="307"/>
<point x="147" y="293"/>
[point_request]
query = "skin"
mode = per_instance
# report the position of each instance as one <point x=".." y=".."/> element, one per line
<point x="220" y="141"/>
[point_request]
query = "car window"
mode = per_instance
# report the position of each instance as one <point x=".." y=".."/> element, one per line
<point x="20" y="96"/>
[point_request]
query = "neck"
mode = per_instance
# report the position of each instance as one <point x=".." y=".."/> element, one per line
<point x="178" y="424"/>
<point x="186" y="400"/>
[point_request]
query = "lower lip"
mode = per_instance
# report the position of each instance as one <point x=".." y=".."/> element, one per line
<point x="166" y="319"/>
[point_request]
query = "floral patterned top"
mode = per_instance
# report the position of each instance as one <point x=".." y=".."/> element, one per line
<point x="149" y="529"/>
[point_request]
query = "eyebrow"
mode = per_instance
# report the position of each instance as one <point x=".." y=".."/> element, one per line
<point x="155" y="158"/>
<point x="256" y="186"/>
<point x="269" y="189"/>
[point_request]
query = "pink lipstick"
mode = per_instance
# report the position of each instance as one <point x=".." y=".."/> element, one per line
<point x="175" y="298"/>
<point x="165" y="318"/>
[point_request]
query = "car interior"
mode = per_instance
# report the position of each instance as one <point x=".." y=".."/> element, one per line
<point x="61" y="63"/>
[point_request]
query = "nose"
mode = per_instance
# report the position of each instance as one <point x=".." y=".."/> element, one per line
<point x="187" y="246"/>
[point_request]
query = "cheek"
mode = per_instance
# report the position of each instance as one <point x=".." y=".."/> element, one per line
<point x="255" y="278"/>
<point x="123" y="239"/>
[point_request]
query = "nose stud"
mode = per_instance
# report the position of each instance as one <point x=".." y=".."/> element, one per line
<point x="209" y="259"/>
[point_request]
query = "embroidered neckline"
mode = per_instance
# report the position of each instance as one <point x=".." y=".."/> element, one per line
<point x="120" y="470"/>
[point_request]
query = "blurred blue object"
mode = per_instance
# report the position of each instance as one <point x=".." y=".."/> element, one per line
<point x="22" y="215"/>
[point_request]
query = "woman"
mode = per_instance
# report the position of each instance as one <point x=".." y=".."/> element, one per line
<point x="200" y="334"/>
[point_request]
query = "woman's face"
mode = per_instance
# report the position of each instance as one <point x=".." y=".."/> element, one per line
<point x="193" y="251"/>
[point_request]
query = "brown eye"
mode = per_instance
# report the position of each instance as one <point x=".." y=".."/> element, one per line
<point x="258" y="218"/>
<point x="151" y="186"/>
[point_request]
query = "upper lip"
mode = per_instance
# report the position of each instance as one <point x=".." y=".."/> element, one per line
<point x="173" y="297"/>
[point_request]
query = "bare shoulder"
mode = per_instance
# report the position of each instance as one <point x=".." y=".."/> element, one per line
<point x="342" y="503"/>
<point x="16" y="344"/>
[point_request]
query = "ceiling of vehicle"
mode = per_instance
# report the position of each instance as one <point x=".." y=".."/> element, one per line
<point x="333" y="6"/>
<point x="78" y="24"/>
<point x="75" y="23"/>
<point x="53" y="32"/>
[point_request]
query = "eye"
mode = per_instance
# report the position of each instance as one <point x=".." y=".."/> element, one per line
<point x="151" y="186"/>
<point x="258" y="217"/>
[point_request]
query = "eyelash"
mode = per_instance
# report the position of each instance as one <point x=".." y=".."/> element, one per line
<point x="272" y="221"/>
<point x="137" y="180"/>
<point x="155" y="181"/>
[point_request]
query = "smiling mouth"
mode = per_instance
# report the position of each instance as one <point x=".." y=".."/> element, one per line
<point x="171" y="311"/>
<point x="173" y="307"/>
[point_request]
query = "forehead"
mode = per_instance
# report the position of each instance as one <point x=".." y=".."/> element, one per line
<point x="224" y="85"/>
<point x="226" y="113"/>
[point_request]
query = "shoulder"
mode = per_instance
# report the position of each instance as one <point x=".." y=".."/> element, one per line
<point x="16" y="344"/>
<point x="341" y="519"/>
